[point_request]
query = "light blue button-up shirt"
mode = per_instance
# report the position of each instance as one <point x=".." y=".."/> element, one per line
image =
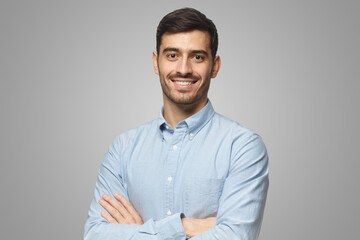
<point x="209" y="166"/>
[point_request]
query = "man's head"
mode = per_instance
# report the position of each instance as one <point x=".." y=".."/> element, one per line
<point x="185" y="20"/>
<point x="185" y="58"/>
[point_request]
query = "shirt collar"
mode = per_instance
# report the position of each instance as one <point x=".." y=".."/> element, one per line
<point x="194" y="123"/>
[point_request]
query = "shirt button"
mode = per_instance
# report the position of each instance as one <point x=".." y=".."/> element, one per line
<point x="168" y="213"/>
<point x="167" y="127"/>
<point x="174" y="147"/>
<point x="191" y="134"/>
<point x="169" y="179"/>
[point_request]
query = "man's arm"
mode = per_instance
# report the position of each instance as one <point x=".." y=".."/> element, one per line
<point x="243" y="198"/>
<point x="120" y="211"/>
<point x="110" y="180"/>
<point x="242" y="201"/>
<point x="194" y="227"/>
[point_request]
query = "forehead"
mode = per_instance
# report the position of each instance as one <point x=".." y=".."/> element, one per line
<point x="192" y="40"/>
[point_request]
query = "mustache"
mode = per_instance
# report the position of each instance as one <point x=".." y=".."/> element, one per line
<point x="186" y="76"/>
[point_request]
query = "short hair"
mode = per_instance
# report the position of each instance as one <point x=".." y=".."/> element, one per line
<point x="184" y="20"/>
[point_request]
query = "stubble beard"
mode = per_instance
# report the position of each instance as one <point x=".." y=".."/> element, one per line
<point x="183" y="99"/>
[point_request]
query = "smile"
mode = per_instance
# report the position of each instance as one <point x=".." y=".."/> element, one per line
<point x="183" y="83"/>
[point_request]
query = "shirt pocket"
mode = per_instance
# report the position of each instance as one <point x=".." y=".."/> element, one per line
<point x="202" y="197"/>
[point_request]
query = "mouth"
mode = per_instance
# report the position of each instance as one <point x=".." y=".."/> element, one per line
<point x="183" y="83"/>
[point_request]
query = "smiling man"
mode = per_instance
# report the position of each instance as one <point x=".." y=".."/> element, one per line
<point x="191" y="173"/>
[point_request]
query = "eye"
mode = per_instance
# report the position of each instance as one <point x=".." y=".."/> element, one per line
<point x="198" y="58"/>
<point x="172" y="55"/>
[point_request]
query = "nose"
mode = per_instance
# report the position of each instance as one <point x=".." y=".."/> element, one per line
<point x="184" y="66"/>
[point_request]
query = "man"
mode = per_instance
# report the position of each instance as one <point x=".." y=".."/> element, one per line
<point x="191" y="173"/>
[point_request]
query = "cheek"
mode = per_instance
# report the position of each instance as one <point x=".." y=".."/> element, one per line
<point x="166" y="70"/>
<point x="204" y="73"/>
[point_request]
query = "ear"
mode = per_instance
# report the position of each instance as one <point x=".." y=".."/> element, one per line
<point x="155" y="62"/>
<point x="216" y="67"/>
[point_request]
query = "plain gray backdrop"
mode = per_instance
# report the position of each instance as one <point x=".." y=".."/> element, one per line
<point x="76" y="74"/>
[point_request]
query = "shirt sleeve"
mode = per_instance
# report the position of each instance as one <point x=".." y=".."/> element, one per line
<point x="110" y="180"/>
<point x="243" y="198"/>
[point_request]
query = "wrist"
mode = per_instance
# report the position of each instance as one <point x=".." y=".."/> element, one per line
<point x="186" y="222"/>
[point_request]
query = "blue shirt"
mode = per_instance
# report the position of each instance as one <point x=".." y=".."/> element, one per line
<point x="209" y="166"/>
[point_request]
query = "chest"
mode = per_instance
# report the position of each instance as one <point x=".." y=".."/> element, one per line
<point x="180" y="174"/>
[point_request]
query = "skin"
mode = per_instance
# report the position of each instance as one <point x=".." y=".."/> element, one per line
<point x="185" y="56"/>
<point x="182" y="57"/>
<point x="121" y="211"/>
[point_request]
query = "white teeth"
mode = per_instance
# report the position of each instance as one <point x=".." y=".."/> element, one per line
<point x="183" y="83"/>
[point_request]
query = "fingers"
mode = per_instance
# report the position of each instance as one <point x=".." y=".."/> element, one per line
<point x="130" y="209"/>
<point x="111" y="209"/>
<point x="126" y="218"/>
<point x="108" y="217"/>
<point x="120" y="211"/>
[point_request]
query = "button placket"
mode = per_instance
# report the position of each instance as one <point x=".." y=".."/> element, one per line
<point x="172" y="164"/>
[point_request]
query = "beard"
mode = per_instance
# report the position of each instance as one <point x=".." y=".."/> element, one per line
<point x="185" y="97"/>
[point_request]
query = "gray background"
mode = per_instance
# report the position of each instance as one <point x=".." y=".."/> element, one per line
<point x="75" y="74"/>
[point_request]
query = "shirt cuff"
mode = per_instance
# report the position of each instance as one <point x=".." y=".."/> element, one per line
<point x="171" y="227"/>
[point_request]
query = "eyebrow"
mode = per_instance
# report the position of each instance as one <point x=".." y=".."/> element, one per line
<point x="200" y="52"/>
<point x="172" y="49"/>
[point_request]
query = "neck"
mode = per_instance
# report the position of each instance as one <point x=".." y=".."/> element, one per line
<point x="175" y="113"/>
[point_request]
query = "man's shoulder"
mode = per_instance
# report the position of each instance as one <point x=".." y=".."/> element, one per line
<point x="232" y="126"/>
<point x="243" y="140"/>
<point x="239" y="136"/>
<point x="126" y="140"/>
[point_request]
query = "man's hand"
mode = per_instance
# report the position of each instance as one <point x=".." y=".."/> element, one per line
<point x="194" y="227"/>
<point x="120" y="211"/>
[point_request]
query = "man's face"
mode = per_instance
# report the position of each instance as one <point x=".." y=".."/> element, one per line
<point x="185" y="66"/>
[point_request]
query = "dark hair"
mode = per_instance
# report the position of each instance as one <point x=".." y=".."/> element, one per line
<point x="187" y="19"/>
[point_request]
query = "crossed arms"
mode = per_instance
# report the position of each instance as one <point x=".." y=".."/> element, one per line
<point x="121" y="211"/>
<point x="239" y="214"/>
